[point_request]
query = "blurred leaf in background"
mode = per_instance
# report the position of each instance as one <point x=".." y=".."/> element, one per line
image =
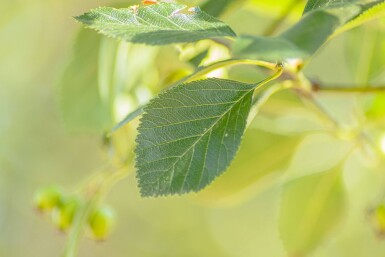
<point x="365" y="52"/>
<point x="82" y="106"/>
<point x="311" y="208"/>
<point x="261" y="161"/>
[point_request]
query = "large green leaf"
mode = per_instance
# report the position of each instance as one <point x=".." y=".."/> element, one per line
<point x="157" y="24"/>
<point x="190" y="134"/>
<point x="81" y="104"/>
<point x="311" y="207"/>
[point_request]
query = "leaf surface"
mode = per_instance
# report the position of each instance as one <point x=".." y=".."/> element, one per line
<point x="157" y="24"/>
<point x="190" y="134"/>
<point x="311" y="207"/>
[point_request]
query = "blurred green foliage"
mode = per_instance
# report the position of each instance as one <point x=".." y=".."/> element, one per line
<point x="44" y="100"/>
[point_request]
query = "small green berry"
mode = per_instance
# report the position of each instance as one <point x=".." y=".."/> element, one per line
<point x="101" y="222"/>
<point x="45" y="199"/>
<point x="63" y="215"/>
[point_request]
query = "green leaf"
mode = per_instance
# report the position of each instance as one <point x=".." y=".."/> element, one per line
<point x="217" y="7"/>
<point x="81" y="104"/>
<point x="312" y="31"/>
<point x="157" y="24"/>
<point x="298" y="41"/>
<point x="190" y="134"/>
<point x="311" y="207"/>
<point x="304" y="38"/>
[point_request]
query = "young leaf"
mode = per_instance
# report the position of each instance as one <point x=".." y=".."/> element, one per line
<point x="81" y="104"/>
<point x="157" y="24"/>
<point x="190" y="134"/>
<point x="310" y="33"/>
<point x="299" y="41"/>
<point x="266" y="48"/>
<point x="311" y="207"/>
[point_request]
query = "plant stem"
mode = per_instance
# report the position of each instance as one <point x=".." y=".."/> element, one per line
<point x="310" y="97"/>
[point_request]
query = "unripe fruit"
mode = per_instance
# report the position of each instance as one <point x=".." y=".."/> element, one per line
<point x="63" y="215"/>
<point x="101" y="222"/>
<point x="45" y="199"/>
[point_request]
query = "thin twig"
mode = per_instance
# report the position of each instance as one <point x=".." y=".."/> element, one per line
<point x="310" y="97"/>
<point x="351" y="89"/>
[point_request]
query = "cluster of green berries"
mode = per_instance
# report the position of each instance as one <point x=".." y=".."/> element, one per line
<point x="62" y="209"/>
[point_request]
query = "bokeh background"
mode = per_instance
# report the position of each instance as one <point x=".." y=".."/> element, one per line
<point x="234" y="217"/>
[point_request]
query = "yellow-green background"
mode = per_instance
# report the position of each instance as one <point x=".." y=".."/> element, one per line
<point x="36" y="39"/>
